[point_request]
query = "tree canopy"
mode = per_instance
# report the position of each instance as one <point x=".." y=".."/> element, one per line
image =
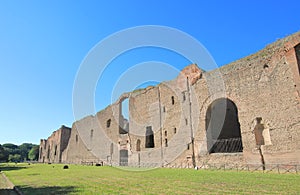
<point x="14" y="153"/>
<point x="3" y="154"/>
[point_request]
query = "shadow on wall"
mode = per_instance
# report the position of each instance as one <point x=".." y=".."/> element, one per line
<point x="47" y="190"/>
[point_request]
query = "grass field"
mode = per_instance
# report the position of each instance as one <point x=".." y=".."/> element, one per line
<point x="53" y="179"/>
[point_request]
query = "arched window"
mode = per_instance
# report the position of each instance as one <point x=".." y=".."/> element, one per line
<point x="108" y="122"/>
<point x="222" y="127"/>
<point x="138" y="145"/>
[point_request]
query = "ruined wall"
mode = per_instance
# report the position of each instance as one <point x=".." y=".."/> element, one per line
<point x="261" y="94"/>
<point x="51" y="149"/>
<point x="263" y="85"/>
<point x="164" y="108"/>
<point x="96" y="139"/>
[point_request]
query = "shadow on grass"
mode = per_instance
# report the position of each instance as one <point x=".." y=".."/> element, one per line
<point x="8" y="192"/>
<point x="11" y="168"/>
<point x="47" y="190"/>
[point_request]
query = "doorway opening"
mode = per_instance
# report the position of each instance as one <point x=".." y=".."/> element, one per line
<point x="149" y="138"/>
<point x="123" y="157"/>
<point x="222" y="127"/>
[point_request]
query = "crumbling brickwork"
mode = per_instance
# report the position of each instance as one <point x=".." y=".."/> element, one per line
<point x="51" y="149"/>
<point x="239" y="113"/>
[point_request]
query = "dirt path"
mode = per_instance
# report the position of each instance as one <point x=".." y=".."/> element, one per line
<point x="6" y="187"/>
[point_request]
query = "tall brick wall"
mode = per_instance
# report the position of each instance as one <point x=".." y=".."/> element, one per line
<point x="51" y="150"/>
<point x="263" y="87"/>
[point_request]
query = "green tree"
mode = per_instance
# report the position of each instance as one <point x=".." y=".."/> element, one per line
<point x="34" y="153"/>
<point x="11" y="148"/>
<point x="24" y="150"/>
<point x="17" y="153"/>
<point x="14" y="158"/>
<point x="3" y="154"/>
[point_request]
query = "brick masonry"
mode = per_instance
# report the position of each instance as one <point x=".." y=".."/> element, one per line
<point x="261" y="93"/>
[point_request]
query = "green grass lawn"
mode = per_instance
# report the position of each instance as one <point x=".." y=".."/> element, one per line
<point x="53" y="179"/>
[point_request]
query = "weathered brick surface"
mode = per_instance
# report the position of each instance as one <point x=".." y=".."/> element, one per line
<point x="263" y="85"/>
<point x="51" y="150"/>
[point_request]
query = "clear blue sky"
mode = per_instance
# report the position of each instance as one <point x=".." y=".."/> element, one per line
<point x="42" y="44"/>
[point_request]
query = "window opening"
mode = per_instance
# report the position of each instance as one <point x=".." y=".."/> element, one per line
<point x="108" y="123"/>
<point x="173" y="101"/>
<point x="124" y="116"/>
<point x="138" y="145"/>
<point x="149" y="138"/>
<point x="297" y="50"/>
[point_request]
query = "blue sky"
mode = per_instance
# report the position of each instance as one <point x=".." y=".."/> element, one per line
<point x="42" y="44"/>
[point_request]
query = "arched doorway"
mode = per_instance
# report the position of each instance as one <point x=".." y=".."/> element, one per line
<point x="222" y="127"/>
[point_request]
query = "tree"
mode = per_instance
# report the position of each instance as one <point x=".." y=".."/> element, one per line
<point x="3" y="154"/>
<point x="34" y="153"/>
<point x="14" y="158"/>
<point x="16" y="153"/>
<point x="11" y="148"/>
<point x="24" y="150"/>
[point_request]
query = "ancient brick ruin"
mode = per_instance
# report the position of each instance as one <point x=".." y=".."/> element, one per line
<point x="246" y="112"/>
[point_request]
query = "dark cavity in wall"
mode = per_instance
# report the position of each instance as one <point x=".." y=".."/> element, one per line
<point x="173" y="100"/>
<point x="41" y="153"/>
<point x="124" y="116"/>
<point x="55" y="150"/>
<point x="108" y="122"/>
<point x="48" y="153"/>
<point x="258" y="132"/>
<point x="149" y="138"/>
<point x="123" y="157"/>
<point x="138" y="145"/>
<point x="297" y="50"/>
<point x="222" y="127"/>
<point x="92" y="134"/>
